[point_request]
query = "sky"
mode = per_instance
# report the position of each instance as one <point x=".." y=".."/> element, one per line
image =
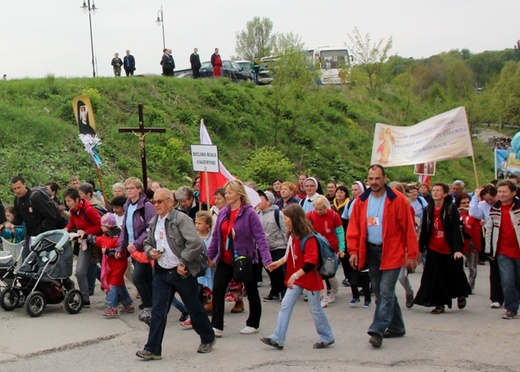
<point x="41" y="38"/>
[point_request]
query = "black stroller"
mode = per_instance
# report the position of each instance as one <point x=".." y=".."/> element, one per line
<point x="43" y="277"/>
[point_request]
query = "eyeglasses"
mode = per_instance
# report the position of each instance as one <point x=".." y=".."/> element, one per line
<point x="158" y="201"/>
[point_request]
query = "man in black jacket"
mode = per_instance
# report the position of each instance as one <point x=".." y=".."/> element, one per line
<point x="129" y="64"/>
<point x="195" y="63"/>
<point x="33" y="210"/>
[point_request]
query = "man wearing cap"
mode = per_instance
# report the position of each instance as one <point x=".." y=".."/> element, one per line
<point x="276" y="234"/>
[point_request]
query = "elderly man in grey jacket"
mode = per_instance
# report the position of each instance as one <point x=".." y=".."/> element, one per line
<point x="176" y="248"/>
<point x="276" y="234"/>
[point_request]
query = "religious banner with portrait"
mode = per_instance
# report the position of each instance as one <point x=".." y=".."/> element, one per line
<point x="445" y="136"/>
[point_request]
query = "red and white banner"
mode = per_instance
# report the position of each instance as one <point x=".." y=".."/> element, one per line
<point x="445" y="136"/>
<point x="218" y="180"/>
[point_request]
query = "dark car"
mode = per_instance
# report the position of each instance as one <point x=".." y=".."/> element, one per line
<point x="230" y="69"/>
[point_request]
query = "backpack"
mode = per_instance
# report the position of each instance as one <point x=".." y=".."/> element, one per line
<point x="44" y="193"/>
<point x="327" y="260"/>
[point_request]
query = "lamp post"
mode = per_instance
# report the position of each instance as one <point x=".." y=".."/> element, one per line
<point x="91" y="9"/>
<point x="160" y="22"/>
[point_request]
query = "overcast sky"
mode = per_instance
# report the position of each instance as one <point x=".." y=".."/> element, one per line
<point x="38" y="38"/>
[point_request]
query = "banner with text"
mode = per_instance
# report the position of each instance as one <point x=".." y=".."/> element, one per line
<point x="445" y="136"/>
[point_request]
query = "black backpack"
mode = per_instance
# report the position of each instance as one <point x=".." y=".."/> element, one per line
<point x="44" y="193"/>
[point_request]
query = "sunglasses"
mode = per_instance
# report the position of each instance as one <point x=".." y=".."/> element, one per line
<point x="158" y="201"/>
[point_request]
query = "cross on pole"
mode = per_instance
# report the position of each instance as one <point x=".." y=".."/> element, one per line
<point x="141" y="133"/>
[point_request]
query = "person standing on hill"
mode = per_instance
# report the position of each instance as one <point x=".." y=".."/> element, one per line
<point x="129" y="64"/>
<point x="116" y="64"/>
<point x="167" y="63"/>
<point x="216" y="62"/>
<point x="195" y="63"/>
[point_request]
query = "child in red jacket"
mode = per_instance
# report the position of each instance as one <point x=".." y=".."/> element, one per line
<point x="112" y="269"/>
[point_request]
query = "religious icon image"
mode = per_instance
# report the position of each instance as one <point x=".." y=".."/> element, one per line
<point x="385" y="148"/>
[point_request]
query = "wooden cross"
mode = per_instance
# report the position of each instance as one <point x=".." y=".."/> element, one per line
<point x="142" y="132"/>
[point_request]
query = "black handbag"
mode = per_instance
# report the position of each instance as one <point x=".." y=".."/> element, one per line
<point x="243" y="269"/>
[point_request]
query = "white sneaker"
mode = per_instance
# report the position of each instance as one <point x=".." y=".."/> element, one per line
<point x="495" y="305"/>
<point x="218" y="333"/>
<point x="249" y="330"/>
<point x="331" y="297"/>
<point x="324" y="302"/>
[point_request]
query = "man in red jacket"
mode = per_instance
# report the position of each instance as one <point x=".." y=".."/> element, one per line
<point x="381" y="236"/>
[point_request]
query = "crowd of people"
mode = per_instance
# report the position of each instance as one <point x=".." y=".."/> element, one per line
<point x="168" y="64"/>
<point x="168" y="242"/>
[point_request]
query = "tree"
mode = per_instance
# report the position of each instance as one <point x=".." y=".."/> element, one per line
<point x="369" y="56"/>
<point x="256" y="40"/>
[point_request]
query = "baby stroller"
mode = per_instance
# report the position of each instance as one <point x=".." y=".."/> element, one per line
<point x="43" y="277"/>
<point x="10" y="258"/>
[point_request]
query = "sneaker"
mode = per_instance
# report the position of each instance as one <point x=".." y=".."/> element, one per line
<point x="184" y="316"/>
<point x="186" y="324"/>
<point x="86" y="304"/>
<point x="354" y="301"/>
<point x="322" y="345"/>
<point x="345" y="282"/>
<point x="127" y="310"/>
<point x="367" y="304"/>
<point x="509" y="315"/>
<point x="145" y="314"/>
<point x="147" y="355"/>
<point x="494" y="305"/>
<point x="110" y="312"/>
<point x="438" y="310"/>
<point x="270" y="342"/>
<point x="218" y="332"/>
<point x="259" y="284"/>
<point x="206" y="348"/>
<point x="409" y="300"/>
<point x="331" y="297"/>
<point x="249" y="330"/>
<point x="305" y="298"/>
<point x="271" y="298"/>
<point x="324" y="302"/>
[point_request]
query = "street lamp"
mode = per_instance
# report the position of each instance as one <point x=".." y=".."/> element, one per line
<point x="86" y="7"/>
<point x="160" y="22"/>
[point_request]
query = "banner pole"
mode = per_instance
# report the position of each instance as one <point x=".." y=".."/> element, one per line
<point x="475" y="170"/>
<point x="100" y="179"/>
<point x="206" y="179"/>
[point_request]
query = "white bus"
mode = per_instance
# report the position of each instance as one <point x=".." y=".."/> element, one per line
<point x="333" y="64"/>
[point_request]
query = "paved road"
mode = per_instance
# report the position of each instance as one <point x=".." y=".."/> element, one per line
<point x="475" y="338"/>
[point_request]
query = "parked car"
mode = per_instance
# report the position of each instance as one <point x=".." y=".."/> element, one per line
<point x="230" y="69"/>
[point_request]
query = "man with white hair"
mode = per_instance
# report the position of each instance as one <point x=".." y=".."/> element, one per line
<point x="457" y="188"/>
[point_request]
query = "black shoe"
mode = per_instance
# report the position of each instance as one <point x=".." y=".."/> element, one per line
<point x="141" y="306"/>
<point x="345" y="282"/>
<point x="409" y="301"/>
<point x="392" y="334"/>
<point x="268" y="341"/>
<point x="91" y="292"/>
<point x="86" y="304"/>
<point x="147" y="355"/>
<point x="271" y="298"/>
<point x="206" y="348"/>
<point x="376" y="341"/>
<point x="322" y="345"/>
<point x="184" y="317"/>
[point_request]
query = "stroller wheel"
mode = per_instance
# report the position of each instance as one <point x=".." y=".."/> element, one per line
<point x="9" y="298"/>
<point x="73" y="301"/>
<point x="35" y="304"/>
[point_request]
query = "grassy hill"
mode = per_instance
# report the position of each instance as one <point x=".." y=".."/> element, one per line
<point x="326" y="132"/>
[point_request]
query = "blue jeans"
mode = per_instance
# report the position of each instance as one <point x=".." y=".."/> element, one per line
<point x="388" y="313"/>
<point x="318" y="315"/>
<point x="165" y="284"/>
<point x="510" y="279"/>
<point x="179" y="305"/>
<point x="142" y="277"/>
<point x="112" y="298"/>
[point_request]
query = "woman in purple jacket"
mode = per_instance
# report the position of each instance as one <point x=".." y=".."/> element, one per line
<point x="138" y="213"/>
<point x="238" y="232"/>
